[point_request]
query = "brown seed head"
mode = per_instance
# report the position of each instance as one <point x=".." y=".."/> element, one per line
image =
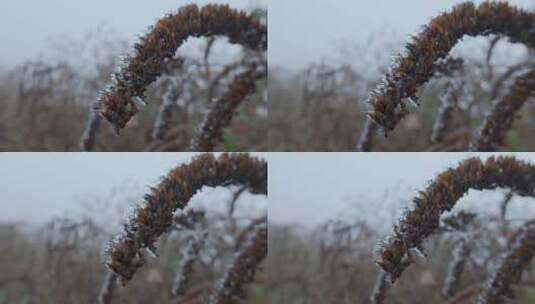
<point x="118" y="102"/>
<point x="442" y="194"/>
<point x="414" y="68"/>
<point x="155" y="215"/>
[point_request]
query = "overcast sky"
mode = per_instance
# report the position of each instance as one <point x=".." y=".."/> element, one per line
<point x="305" y="31"/>
<point x="39" y="186"/>
<point x="311" y="188"/>
<point x="27" y="25"/>
<point x="300" y="31"/>
<point x="304" y="188"/>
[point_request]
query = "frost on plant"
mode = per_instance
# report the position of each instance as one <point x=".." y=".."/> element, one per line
<point x="121" y="100"/>
<point x="155" y="215"/>
<point x="423" y="219"/>
<point x="418" y="63"/>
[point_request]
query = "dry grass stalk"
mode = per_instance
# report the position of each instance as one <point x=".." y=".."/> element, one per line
<point x="500" y="119"/>
<point x="190" y="254"/>
<point x="242" y="270"/>
<point x="461" y="253"/>
<point x="449" y="100"/>
<point x="509" y="271"/>
<point x="498" y="84"/>
<point x="367" y="136"/>
<point x="87" y="142"/>
<point x="441" y="195"/>
<point x="165" y="111"/>
<point x="155" y="215"/>
<point x="170" y="98"/>
<point x="463" y="222"/>
<point x="380" y="289"/>
<point x="449" y="66"/>
<point x="414" y="68"/>
<point x="229" y="68"/>
<point x="460" y="221"/>
<point x="222" y="111"/>
<point x="242" y="236"/>
<point x="191" y="221"/>
<point x="142" y="68"/>
<point x="108" y="287"/>
<point x="503" y="206"/>
<point x="443" y="123"/>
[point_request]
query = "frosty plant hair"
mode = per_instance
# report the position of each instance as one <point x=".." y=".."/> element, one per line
<point x="423" y="219"/>
<point x="155" y="215"/>
<point x="413" y="68"/>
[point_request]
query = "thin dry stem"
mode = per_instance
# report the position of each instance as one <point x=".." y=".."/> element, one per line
<point x="108" y="287"/>
<point x="461" y="253"/>
<point x="242" y="270"/>
<point x="503" y="206"/>
<point x="223" y="110"/>
<point x="443" y="123"/>
<point x="245" y="232"/>
<point x="190" y="255"/>
<point x="381" y="288"/>
<point x="367" y="136"/>
<point x="509" y="271"/>
<point x="192" y="221"/>
<point x="449" y="100"/>
<point x="165" y="111"/>
<point x="500" y="119"/>
<point x="87" y="142"/>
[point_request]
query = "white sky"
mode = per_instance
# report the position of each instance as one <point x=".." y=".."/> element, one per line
<point x="304" y="188"/>
<point x="310" y="188"/>
<point x="27" y="25"/>
<point x="300" y="31"/>
<point x="304" y="31"/>
<point x="38" y="186"/>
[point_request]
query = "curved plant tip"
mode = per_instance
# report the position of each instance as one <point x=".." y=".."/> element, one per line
<point x="419" y="62"/>
<point x="445" y="68"/>
<point x="155" y="215"/>
<point x="139" y="70"/>
<point x="243" y="269"/>
<point x="441" y="195"/>
<point x="509" y="270"/>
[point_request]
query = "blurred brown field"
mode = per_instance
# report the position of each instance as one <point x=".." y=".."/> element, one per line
<point x="62" y="261"/>
<point x="334" y="263"/>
